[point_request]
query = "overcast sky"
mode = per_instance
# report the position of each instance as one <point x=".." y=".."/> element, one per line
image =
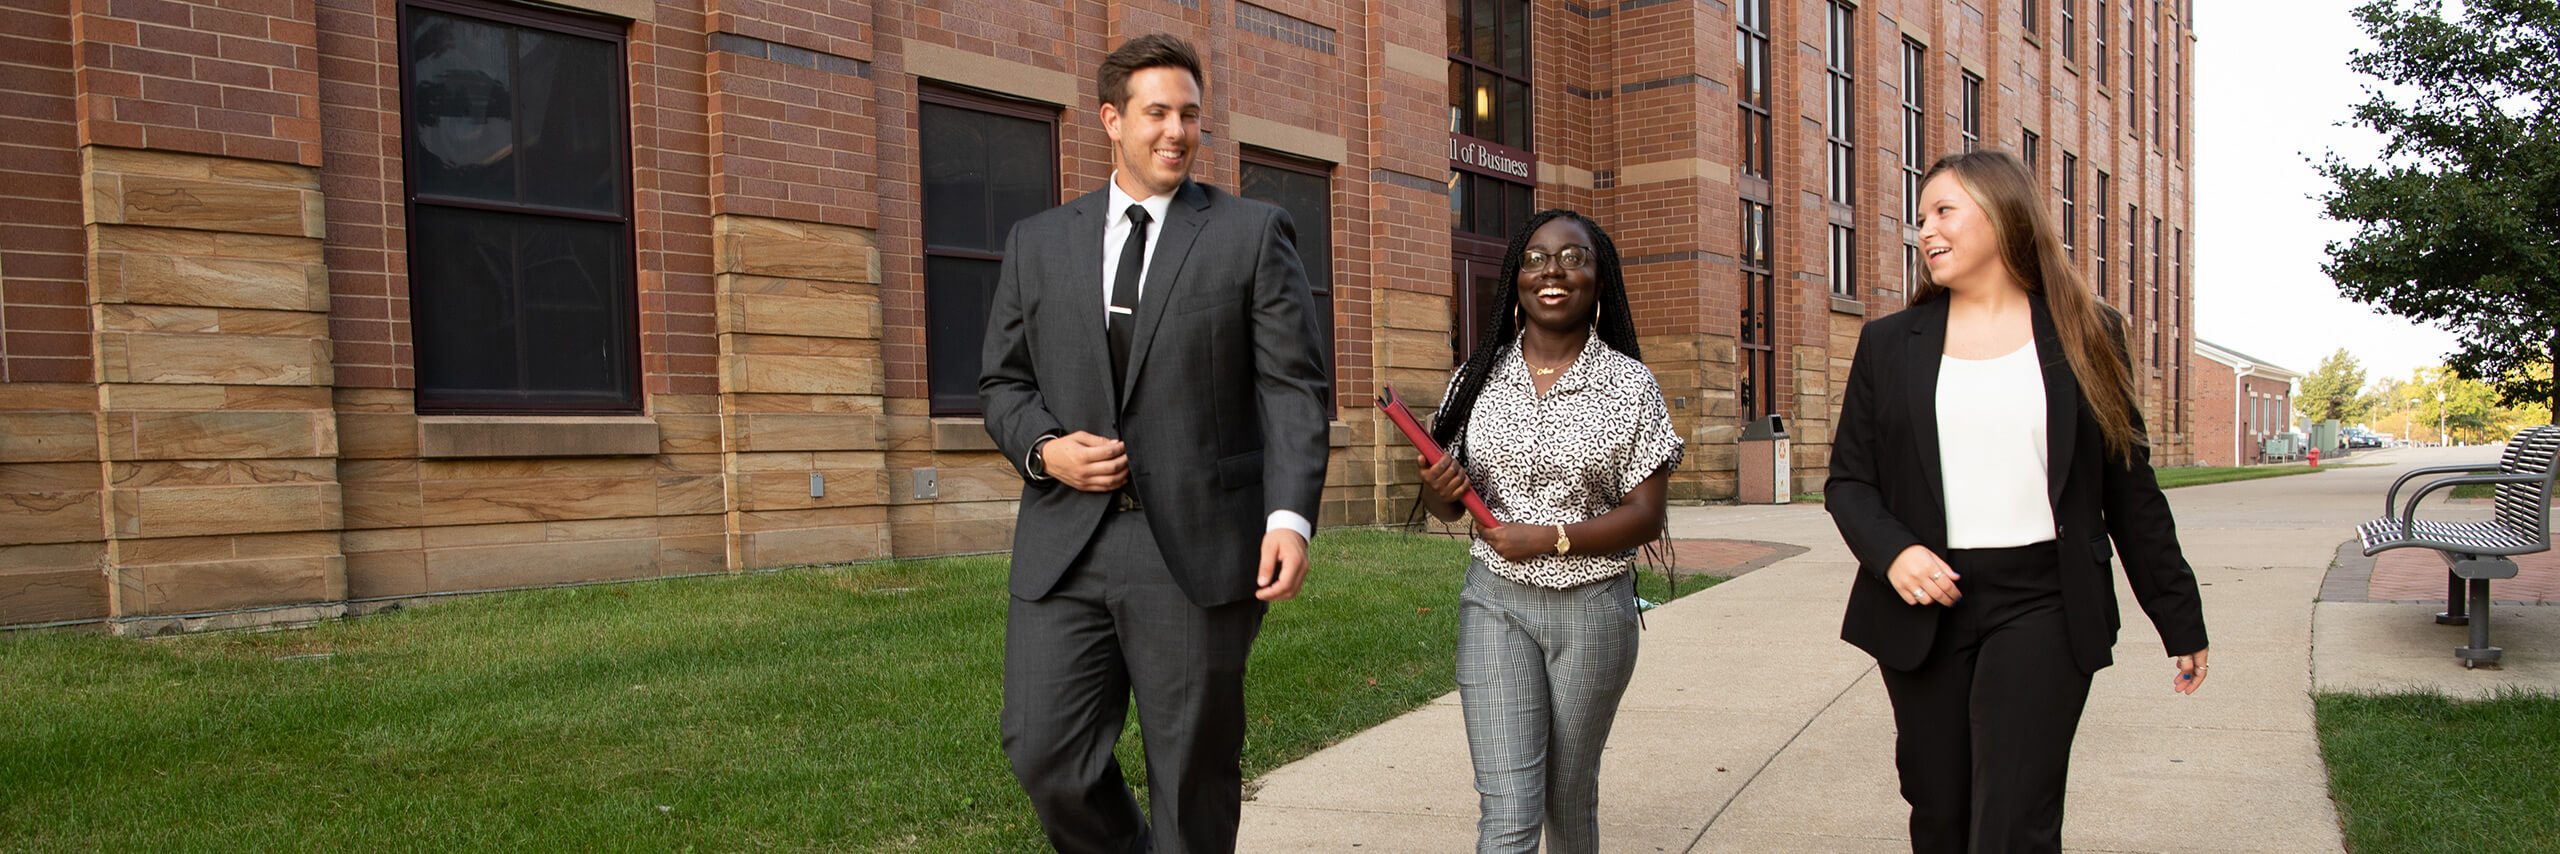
<point x="2272" y="84"/>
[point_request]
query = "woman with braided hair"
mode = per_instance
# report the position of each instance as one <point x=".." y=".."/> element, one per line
<point x="1561" y="428"/>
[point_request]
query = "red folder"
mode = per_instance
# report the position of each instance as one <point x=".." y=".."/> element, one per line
<point x="1393" y="405"/>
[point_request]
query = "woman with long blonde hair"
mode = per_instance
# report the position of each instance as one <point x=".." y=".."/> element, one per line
<point x="1989" y="465"/>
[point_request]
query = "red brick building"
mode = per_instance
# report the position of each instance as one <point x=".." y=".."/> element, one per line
<point x="2240" y="400"/>
<point x="309" y="306"/>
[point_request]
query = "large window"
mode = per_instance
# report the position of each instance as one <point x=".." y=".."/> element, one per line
<point x="2132" y="73"/>
<point x="1837" y="61"/>
<point x="985" y="163"/>
<point x="1915" y="133"/>
<point x="1751" y="58"/>
<point x="2098" y="243"/>
<point x="1971" y="121"/>
<point x="1844" y="261"/>
<point x="2157" y="325"/>
<point x="1304" y="188"/>
<point x="2070" y="30"/>
<point x="1489" y="71"/>
<point x="2071" y="203"/>
<point x="2098" y="45"/>
<point x="517" y="160"/>
<point x="1758" y="386"/>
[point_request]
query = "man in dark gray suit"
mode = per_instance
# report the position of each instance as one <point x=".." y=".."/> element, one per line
<point x="1151" y="364"/>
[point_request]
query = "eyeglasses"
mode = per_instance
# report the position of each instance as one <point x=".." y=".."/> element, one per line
<point x="1570" y="259"/>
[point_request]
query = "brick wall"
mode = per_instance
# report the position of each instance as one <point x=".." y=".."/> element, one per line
<point x="779" y="269"/>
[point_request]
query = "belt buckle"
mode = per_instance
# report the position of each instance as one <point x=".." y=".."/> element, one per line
<point x="1124" y="500"/>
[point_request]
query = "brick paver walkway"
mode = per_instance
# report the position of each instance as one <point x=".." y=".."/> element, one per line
<point x="2417" y="575"/>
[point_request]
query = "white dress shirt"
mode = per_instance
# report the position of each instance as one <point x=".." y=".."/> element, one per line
<point x="1991" y="450"/>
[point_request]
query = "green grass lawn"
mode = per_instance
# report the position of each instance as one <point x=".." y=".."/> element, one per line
<point x="2419" y="772"/>
<point x="844" y="708"/>
<point x="2172" y="478"/>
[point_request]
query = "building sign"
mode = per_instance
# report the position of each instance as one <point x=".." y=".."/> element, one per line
<point x="1480" y="156"/>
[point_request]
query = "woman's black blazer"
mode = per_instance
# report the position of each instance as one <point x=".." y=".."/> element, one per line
<point x="1886" y="492"/>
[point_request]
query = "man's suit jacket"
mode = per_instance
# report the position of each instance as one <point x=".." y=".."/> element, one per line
<point x="1886" y="493"/>
<point x="1223" y="404"/>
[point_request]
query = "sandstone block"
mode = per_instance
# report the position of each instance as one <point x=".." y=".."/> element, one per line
<point x="213" y="359"/>
<point x="205" y="510"/>
<point x="794" y="250"/>
<point x="535" y="564"/>
<point x="48" y="436"/>
<point x="182" y="588"/>
<point x="801" y="374"/>
<point x="472" y="502"/>
<point x="221" y="435"/>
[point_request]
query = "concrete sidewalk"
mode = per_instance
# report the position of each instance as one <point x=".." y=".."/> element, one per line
<point x="1751" y="727"/>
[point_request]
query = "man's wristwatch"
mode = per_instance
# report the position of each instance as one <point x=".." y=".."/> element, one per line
<point x="1036" y="464"/>
<point x="1563" y="543"/>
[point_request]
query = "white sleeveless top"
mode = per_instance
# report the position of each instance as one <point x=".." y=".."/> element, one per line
<point x="1991" y="449"/>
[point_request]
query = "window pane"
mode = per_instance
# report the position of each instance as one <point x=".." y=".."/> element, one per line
<point x="1487" y="202"/>
<point x="1481" y="46"/>
<point x="1515" y="36"/>
<point x="1457" y="27"/>
<point x="568" y="118"/>
<point x="461" y="112"/>
<point x="1519" y="196"/>
<point x="954" y="151"/>
<point x="1461" y="102"/>
<point x="957" y="293"/>
<point x="1515" y="114"/>
<point x="1458" y="192"/>
<point x="520" y="309"/>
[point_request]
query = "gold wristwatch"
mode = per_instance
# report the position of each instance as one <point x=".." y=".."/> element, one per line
<point x="1563" y="543"/>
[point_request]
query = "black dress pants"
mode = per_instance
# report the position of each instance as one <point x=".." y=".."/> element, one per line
<point x="1985" y="722"/>
<point x="1117" y="626"/>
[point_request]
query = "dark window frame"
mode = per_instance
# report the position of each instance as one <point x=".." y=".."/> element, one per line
<point x="2098" y="245"/>
<point x="426" y="399"/>
<point x="1915" y="133"/>
<point x="1758" y="334"/>
<point x="2070" y="30"/>
<point x="1839" y="60"/>
<point x="1751" y="58"/>
<point x="1969" y="119"/>
<point x="946" y="402"/>
<point x="2098" y="46"/>
<point x="2071" y="204"/>
<point x="1508" y="76"/>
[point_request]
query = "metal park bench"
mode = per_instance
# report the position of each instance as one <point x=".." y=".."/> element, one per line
<point x="2476" y="552"/>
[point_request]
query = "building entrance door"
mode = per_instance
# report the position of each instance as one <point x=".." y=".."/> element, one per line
<point x="1478" y="280"/>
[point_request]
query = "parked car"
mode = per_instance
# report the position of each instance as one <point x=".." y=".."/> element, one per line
<point x="2362" y="439"/>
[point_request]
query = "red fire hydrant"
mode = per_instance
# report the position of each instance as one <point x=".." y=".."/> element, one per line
<point x="2314" y="457"/>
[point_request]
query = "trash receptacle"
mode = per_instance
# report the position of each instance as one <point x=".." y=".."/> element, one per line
<point x="1765" y="473"/>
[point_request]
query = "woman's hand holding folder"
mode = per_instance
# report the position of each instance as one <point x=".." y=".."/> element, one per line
<point x="1431" y="458"/>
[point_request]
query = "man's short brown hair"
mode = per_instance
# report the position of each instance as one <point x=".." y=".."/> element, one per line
<point x="1153" y="50"/>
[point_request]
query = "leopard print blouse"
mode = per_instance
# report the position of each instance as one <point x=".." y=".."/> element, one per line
<point x="1569" y="456"/>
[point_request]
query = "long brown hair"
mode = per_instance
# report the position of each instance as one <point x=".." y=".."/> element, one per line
<point x="2092" y="333"/>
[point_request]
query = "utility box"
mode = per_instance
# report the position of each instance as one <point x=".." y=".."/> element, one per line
<point x="1767" y="475"/>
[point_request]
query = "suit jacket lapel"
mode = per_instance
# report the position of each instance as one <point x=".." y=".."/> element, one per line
<point x="1920" y="390"/>
<point x="1182" y="222"/>
<point x="1080" y="291"/>
<point x="2061" y="400"/>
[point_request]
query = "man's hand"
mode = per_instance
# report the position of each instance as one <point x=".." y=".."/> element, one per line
<point x="1284" y="565"/>
<point x="1086" y="462"/>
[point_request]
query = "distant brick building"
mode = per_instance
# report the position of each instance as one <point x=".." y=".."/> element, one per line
<point x="2240" y="400"/>
<point x="312" y="305"/>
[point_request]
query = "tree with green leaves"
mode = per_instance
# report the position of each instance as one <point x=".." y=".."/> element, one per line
<point x="2333" y="390"/>
<point x="2459" y="225"/>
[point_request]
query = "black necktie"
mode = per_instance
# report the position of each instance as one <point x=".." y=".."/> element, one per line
<point x="1124" y="293"/>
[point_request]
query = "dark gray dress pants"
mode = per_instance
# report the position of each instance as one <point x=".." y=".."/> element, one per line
<point x="1117" y="627"/>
